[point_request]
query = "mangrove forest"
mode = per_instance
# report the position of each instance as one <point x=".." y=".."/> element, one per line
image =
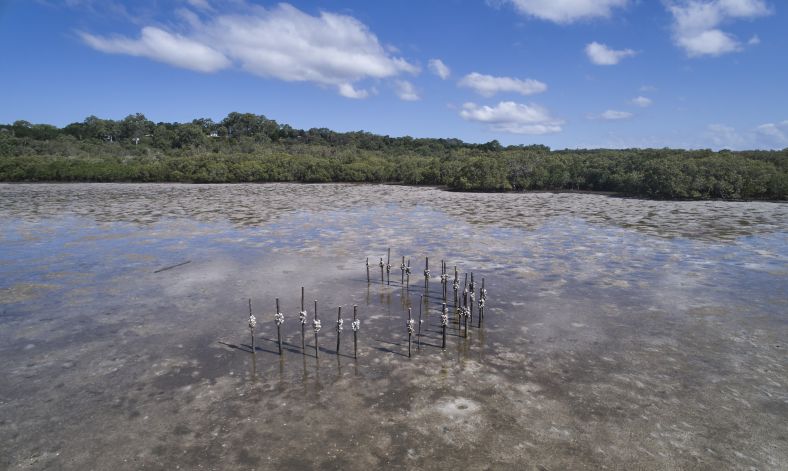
<point x="245" y="147"/>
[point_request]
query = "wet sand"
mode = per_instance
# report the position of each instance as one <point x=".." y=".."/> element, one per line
<point x="619" y="333"/>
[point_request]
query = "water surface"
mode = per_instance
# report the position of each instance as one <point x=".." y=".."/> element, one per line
<point x="619" y="333"/>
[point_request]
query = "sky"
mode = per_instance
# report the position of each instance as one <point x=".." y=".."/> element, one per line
<point x="563" y="73"/>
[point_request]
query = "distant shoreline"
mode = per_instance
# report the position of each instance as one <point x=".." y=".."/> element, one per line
<point x="611" y="194"/>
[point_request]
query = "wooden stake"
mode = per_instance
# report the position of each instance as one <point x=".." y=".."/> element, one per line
<point x="481" y="310"/>
<point x="472" y="296"/>
<point x="407" y="274"/>
<point x="444" y="279"/>
<point x="316" y="328"/>
<point x="339" y="327"/>
<point x="278" y="318"/>
<point x="427" y="274"/>
<point x="355" y="326"/>
<point x="381" y="270"/>
<point x="252" y="325"/>
<point x="446" y="285"/>
<point x="465" y="312"/>
<point x="402" y="267"/>
<point x="367" y="270"/>
<point x="444" y="322"/>
<point x="482" y="302"/>
<point x="410" y="330"/>
<point x="456" y="286"/>
<point x="388" y="267"/>
<point x="302" y="316"/>
<point x="470" y="306"/>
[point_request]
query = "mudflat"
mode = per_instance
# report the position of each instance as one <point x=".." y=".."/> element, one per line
<point x="618" y="333"/>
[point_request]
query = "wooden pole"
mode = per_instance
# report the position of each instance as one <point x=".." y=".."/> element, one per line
<point x="381" y="270"/>
<point x="481" y="310"/>
<point x="465" y="311"/>
<point x="302" y="316"/>
<point x="444" y="279"/>
<point x="426" y="273"/>
<point x="278" y="318"/>
<point x="465" y="303"/>
<point x="407" y="275"/>
<point x="472" y="296"/>
<point x="252" y="325"/>
<point x="456" y="286"/>
<point x="388" y="267"/>
<point x="316" y="328"/>
<point x="444" y="322"/>
<point x="482" y="302"/>
<point x="339" y="327"/>
<point x="410" y="330"/>
<point x="356" y="324"/>
<point x="402" y="267"/>
<point x="367" y="270"/>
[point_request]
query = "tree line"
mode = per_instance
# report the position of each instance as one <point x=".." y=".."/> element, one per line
<point x="244" y="147"/>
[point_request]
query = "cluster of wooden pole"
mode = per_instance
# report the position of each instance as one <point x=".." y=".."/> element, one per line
<point x="464" y="311"/>
<point x="385" y="271"/>
<point x="279" y="319"/>
<point x="464" y="300"/>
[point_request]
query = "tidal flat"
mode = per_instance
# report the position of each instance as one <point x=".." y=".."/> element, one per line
<point x="619" y="333"/>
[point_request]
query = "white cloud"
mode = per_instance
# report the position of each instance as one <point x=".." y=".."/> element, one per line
<point x="712" y="42"/>
<point x="614" y="115"/>
<point x="600" y="54"/>
<point x="765" y="136"/>
<point x="567" y="11"/>
<point x="754" y="40"/>
<point x="159" y="45"/>
<point x="775" y="132"/>
<point x="743" y="8"/>
<point x="642" y="101"/>
<point x="281" y="42"/>
<point x="348" y="91"/>
<point x="511" y="117"/>
<point x="438" y="68"/>
<point x="487" y="85"/>
<point x="722" y="136"/>
<point x="696" y="24"/>
<point x="406" y="91"/>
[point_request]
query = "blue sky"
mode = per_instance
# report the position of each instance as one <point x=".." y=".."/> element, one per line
<point x="565" y="73"/>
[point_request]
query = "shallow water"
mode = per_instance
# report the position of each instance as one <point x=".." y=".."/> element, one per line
<point x="619" y="333"/>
